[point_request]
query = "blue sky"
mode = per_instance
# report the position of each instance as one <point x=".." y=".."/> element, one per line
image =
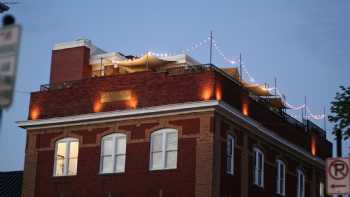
<point x="305" y="44"/>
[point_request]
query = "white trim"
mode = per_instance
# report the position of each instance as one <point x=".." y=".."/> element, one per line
<point x="68" y="142"/>
<point x="115" y="140"/>
<point x="300" y="173"/>
<point x="117" y="113"/>
<point x="164" y="134"/>
<point x="280" y="190"/>
<point x="258" y="174"/>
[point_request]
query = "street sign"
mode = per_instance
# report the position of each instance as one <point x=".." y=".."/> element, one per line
<point x="9" y="47"/>
<point x="338" y="175"/>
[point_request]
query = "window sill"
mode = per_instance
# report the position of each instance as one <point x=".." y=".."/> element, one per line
<point x="63" y="176"/>
<point x="110" y="173"/>
<point x="163" y="169"/>
<point x="279" y="194"/>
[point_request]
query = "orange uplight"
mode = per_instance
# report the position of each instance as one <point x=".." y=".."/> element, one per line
<point x="218" y="93"/>
<point x="245" y="108"/>
<point x="34" y="113"/>
<point x="313" y="146"/>
<point x="132" y="103"/>
<point x="206" y="93"/>
<point x="97" y="106"/>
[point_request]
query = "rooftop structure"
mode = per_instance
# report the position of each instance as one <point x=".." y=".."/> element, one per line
<point x="222" y="128"/>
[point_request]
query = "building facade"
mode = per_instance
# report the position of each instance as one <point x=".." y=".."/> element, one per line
<point x="111" y="125"/>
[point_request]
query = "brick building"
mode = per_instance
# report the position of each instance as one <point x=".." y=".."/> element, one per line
<point x="111" y="125"/>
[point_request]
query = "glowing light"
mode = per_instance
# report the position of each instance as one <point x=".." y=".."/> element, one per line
<point x="313" y="146"/>
<point x="245" y="108"/>
<point x="132" y="103"/>
<point x="34" y="113"/>
<point x="206" y="93"/>
<point x="218" y="92"/>
<point x="97" y="106"/>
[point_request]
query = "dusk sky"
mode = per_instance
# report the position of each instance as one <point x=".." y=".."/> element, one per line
<point x="304" y="44"/>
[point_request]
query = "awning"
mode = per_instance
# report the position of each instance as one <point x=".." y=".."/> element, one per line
<point x="146" y="62"/>
<point x="257" y="89"/>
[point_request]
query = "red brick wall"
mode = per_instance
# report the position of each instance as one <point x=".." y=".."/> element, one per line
<point x="70" y="64"/>
<point x="137" y="179"/>
<point x="150" y="89"/>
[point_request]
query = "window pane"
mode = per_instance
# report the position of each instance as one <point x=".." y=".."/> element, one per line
<point x="59" y="167"/>
<point x="171" y="159"/>
<point x="121" y="145"/>
<point x="120" y="163"/>
<point x="61" y="150"/>
<point x="157" y="161"/>
<point x="72" y="166"/>
<point x="172" y="141"/>
<point x="229" y="164"/>
<point x="229" y="146"/>
<point x="108" y="146"/>
<point x="73" y="149"/>
<point x="107" y="164"/>
<point x="157" y="142"/>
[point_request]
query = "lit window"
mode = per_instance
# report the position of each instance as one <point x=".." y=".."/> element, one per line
<point x="163" y="149"/>
<point x="281" y="177"/>
<point x="258" y="167"/>
<point x="301" y="184"/>
<point x="113" y="150"/>
<point x="66" y="157"/>
<point x="322" y="189"/>
<point x="230" y="148"/>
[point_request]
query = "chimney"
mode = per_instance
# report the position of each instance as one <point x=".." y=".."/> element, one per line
<point x="70" y="61"/>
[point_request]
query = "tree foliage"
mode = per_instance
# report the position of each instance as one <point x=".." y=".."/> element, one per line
<point x="340" y="109"/>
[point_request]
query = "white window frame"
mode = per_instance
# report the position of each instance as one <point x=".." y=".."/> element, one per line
<point x="281" y="178"/>
<point x="258" y="173"/>
<point x="300" y="177"/>
<point x="164" y="133"/>
<point x="115" y="139"/>
<point x="230" y="157"/>
<point x="68" y="142"/>
<point x="322" y="189"/>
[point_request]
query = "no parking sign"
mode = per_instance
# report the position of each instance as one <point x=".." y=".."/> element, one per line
<point x="338" y="175"/>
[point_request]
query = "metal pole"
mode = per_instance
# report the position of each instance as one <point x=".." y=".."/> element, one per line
<point x="324" y="119"/>
<point x="275" y="86"/>
<point x="240" y="67"/>
<point x="211" y="47"/>
<point x="0" y="120"/>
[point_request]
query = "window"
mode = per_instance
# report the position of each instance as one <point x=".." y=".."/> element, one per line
<point x="258" y="172"/>
<point x="230" y="154"/>
<point x="281" y="177"/>
<point x="113" y="150"/>
<point x="163" y="149"/>
<point x="322" y="189"/>
<point x="66" y="157"/>
<point x="301" y="184"/>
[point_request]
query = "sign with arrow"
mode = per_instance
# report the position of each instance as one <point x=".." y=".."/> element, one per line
<point x="338" y="175"/>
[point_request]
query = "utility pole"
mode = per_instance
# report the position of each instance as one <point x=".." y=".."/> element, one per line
<point x="211" y="47"/>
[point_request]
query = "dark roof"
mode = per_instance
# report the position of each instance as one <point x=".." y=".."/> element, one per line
<point x="11" y="184"/>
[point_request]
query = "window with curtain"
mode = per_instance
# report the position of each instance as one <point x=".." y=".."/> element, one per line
<point x="164" y="147"/>
<point x="113" y="153"/>
<point x="66" y="157"/>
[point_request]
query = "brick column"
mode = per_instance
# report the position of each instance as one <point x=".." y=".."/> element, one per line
<point x="217" y="158"/>
<point x="245" y="166"/>
<point x="31" y="156"/>
<point x="204" y="159"/>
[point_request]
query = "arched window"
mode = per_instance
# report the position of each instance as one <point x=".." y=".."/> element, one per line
<point x="163" y="149"/>
<point x="230" y="152"/>
<point x="280" y="177"/>
<point x="301" y="183"/>
<point x="258" y="167"/>
<point x="66" y="157"/>
<point x="113" y="151"/>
